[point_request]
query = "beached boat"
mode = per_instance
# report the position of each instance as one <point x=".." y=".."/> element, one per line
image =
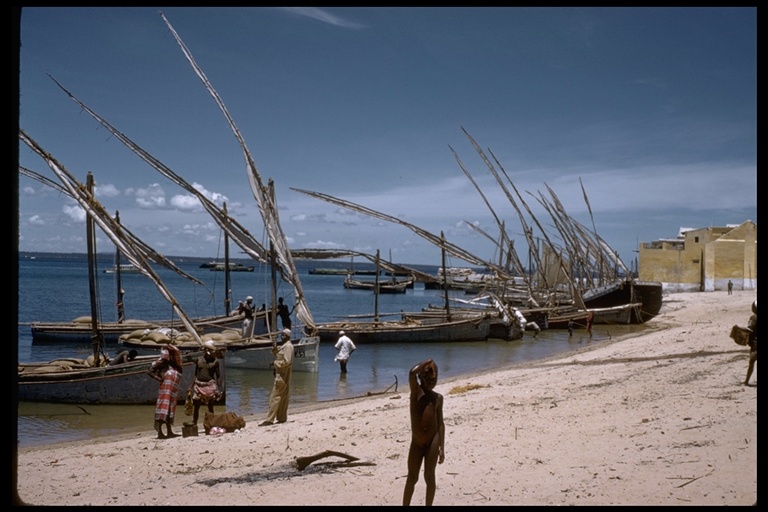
<point x="409" y="330"/>
<point x="411" y="327"/>
<point x="634" y="301"/>
<point x="78" y="330"/>
<point x="75" y="381"/>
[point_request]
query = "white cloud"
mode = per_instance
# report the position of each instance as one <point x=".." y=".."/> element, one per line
<point x="324" y="16"/>
<point x="151" y="197"/>
<point x="74" y="212"/>
<point x="108" y="190"/>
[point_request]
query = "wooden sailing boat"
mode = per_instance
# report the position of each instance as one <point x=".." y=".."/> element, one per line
<point x="78" y="330"/>
<point x="377" y="285"/>
<point x="412" y="327"/>
<point x="91" y="381"/>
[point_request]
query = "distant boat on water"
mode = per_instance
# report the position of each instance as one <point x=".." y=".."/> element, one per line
<point x="220" y="266"/>
<point x="387" y="286"/>
<point x="341" y="272"/>
<point x="125" y="268"/>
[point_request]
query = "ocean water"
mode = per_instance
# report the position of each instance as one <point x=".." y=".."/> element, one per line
<point x="55" y="288"/>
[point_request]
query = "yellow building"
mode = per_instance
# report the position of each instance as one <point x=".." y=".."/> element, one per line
<point x="703" y="259"/>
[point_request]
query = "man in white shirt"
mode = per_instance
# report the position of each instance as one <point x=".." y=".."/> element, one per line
<point x="345" y="346"/>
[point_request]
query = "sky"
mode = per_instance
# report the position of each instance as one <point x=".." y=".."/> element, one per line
<point x="653" y="110"/>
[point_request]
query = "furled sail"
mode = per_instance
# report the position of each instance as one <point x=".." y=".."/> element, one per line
<point x="261" y="193"/>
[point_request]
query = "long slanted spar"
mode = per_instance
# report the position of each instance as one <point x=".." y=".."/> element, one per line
<point x="98" y="213"/>
<point x="261" y="193"/>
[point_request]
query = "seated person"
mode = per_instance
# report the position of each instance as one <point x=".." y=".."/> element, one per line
<point x="124" y="357"/>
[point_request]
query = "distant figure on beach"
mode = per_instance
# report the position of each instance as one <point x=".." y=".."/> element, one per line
<point x="730" y="287"/>
<point x="427" y="430"/>
<point x="345" y="346"/>
<point x="281" y="390"/>
<point x="207" y="386"/>
<point x="246" y="309"/>
<point x="284" y="313"/>
<point x="590" y="319"/>
<point x="124" y="356"/>
<point x="752" y="342"/>
<point x="570" y="328"/>
<point x="166" y="370"/>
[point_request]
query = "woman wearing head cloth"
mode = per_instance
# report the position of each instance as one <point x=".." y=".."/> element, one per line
<point x="166" y="370"/>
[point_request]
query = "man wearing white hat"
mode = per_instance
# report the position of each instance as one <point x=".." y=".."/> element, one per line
<point x="278" y="399"/>
<point x="246" y="308"/>
<point x="345" y="346"/>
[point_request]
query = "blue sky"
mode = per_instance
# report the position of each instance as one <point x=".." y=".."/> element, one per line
<point x="653" y="109"/>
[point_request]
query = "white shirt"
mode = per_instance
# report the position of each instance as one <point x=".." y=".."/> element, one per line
<point x="345" y="346"/>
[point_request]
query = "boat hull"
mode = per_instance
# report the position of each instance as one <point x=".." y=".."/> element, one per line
<point x="110" y="385"/>
<point x="254" y="353"/>
<point x="306" y="356"/>
<point x="81" y="332"/>
<point x="626" y="293"/>
<point x="384" y="287"/>
<point x="416" y="331"/>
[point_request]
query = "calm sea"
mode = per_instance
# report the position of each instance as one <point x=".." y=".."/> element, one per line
<point x="55" y="288"/>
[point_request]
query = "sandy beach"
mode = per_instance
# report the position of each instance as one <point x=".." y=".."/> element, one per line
<point x="656" y="419"/>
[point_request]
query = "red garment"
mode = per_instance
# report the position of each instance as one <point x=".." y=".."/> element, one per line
<point x="169" y="374"/>
<point x="167" y="395"/>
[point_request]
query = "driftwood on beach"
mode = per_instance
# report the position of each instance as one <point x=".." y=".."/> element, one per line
<point x="349" y="460"/>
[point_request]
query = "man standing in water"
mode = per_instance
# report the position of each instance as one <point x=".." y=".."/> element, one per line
<point x="427" y="430"/>
<point x="345" y="346"/>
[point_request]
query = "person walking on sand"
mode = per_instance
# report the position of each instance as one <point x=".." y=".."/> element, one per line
<point x="730" y="287"/>
<point x="166" y="370"/>
<point x="278" y="399"/>
<point x="427" y="430"/>
<point x="752" y="342"/>
<point x="345" y="346"/>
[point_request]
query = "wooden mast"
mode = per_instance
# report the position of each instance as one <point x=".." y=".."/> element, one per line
<point x="119" y="278"/>
<point x="226" y="266"/>
<point x="445" y="280"/>
<point x="96" y="336"/>
<point x="376" y="290"/>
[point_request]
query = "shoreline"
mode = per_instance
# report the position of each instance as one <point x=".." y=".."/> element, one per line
<point x="654" y="418"/>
